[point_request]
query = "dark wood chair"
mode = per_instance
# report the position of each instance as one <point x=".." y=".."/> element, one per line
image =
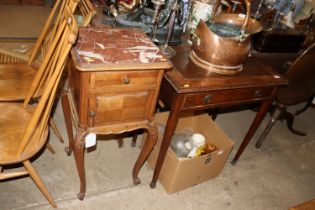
<point x="24" y="127"/>
<point x="301" y="88"/>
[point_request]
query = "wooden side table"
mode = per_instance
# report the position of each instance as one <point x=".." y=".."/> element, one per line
<point x="114" y="79"/>
<point x="188" y="88"/>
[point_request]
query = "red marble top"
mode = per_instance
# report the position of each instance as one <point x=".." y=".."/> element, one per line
<point x="119" y="48"/>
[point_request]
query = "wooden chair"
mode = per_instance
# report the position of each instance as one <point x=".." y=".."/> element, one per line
<point x="85" y="7"/>
<point x="16" y="77"/>
<point x="18" y="73"/>
<point x="301" y="88"/>
<point x="24" y="127"/>
<point x="41" y="43"/>
<point x="87" y="10"/>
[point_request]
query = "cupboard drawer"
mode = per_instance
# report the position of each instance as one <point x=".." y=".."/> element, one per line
<point x="120" y="107"/>
<point x="123" y="79"/>
<point x="226" y="96"/>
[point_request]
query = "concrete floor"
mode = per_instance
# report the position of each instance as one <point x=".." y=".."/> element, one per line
<point x="277" y="176"/>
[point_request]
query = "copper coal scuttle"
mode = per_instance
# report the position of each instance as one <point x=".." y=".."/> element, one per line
<point x="222" y="44"/>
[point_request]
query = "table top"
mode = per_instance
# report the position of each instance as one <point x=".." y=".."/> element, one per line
<point x="186" y="77"/>
<point x="99" y="49"/>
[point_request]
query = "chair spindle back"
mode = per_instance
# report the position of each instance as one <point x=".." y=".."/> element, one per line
<point x="60" y="49"/>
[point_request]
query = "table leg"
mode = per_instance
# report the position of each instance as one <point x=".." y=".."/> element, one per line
<point x="169" y="131"/>
<point x="67" y="115"/>
<point x="79" y="160"/>
<point x="258" y="118"/>
<point x="145" y="151"/>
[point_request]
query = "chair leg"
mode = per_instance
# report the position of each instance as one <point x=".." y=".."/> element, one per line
<point x="290" y="119"/>
<point x="55" y="129"/>
<point x="276" y="115"/>
<point x="50" y="148"/>
<point x="38" y="181"/>
<point x="309" y="102"/>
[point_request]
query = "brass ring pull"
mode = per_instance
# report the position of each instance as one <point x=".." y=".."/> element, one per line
<point x="258" y="92"/>
<point x="207" y="99"/>
<point x="126" y="80"/>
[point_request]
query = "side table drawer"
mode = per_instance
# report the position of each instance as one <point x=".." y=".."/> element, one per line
<point x="226" y="97"/>
<point x="120" y="107"/>
<point x="123" y="79"/>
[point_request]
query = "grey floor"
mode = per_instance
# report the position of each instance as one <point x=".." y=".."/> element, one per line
<point x="277" y="176"/>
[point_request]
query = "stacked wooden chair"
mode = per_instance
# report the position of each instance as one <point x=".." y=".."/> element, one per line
<point x="18" y="70"/>
<point x="87" y="11"/>
<point x="85" y="8"/>
<point x="24" y="126"/>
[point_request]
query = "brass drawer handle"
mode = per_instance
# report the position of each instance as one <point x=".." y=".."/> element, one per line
<point x="207" y="99"/>
<point x="258" y="92"/>
<point x="126" y="80"/>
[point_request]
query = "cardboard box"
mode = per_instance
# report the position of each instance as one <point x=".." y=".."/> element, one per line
<point x="180" y="173"/>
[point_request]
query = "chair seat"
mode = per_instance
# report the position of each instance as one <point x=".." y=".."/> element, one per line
<point x="13" y="121"/>
<point x="15" y="81"/>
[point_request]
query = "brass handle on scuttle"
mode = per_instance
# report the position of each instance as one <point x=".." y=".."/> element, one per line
<point x="195" y="39"/>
